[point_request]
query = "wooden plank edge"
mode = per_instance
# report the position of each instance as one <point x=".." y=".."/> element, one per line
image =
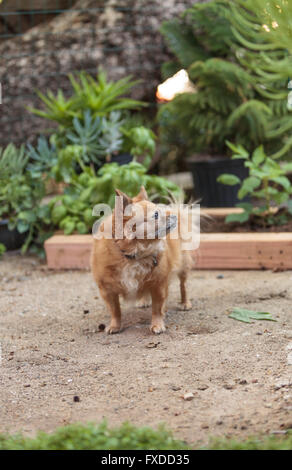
<point x="217" y="251"/>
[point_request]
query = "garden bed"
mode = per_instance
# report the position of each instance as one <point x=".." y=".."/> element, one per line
<point x="236" y="250"/>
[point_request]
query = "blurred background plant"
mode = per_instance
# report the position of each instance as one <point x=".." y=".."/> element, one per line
<point x="21" y="194"/>
<point x="267" y="184"/>
<point x="237" y="57"/>
<point x="94" y="126"/>
<point x="80" y="155"/>
<point x="72" y="211"/>
<point x="277" y="18"/>
<point x="240" y="80"/>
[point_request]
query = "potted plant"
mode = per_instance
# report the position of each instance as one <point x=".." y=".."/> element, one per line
<point x="238" y="94"/>
<point x="94" y="126"/>
<point x="266" y="183"/>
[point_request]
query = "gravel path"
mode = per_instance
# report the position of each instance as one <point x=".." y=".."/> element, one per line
<point x="58" y="367"/>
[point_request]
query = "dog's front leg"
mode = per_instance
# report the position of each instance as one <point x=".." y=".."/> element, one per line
<point x="159" y="295"/>
<point x="113" y="304"/>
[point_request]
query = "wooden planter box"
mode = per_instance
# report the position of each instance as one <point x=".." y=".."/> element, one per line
<point x="217" y="250"/>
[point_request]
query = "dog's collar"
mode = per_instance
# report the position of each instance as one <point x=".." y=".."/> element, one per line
<point x="154" y="258"/>
<point x="133" y="256"/>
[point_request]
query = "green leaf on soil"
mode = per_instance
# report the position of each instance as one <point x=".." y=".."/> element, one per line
<point x="241" y="218"/>
<point x="246" y="316"/>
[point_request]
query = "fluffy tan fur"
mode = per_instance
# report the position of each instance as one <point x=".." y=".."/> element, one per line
<point x="139" y="268"/>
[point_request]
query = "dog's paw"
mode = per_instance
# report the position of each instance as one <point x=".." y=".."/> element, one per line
<point x="157" y="328"/>
<point x="113" y="329"/>
<point x="186" y="306"/>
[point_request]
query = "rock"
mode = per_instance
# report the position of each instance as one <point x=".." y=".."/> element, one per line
<point x="202" y="386"/>
<point x="282" y="383"/>
<point x="228" y="386"/>
<point x="175" y="388"/>
<point x="189" y="396"/>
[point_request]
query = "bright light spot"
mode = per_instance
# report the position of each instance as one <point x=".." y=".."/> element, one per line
<point x="178" y="83"/>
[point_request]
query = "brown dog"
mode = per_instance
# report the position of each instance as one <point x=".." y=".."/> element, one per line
<point x="135" y="266"/>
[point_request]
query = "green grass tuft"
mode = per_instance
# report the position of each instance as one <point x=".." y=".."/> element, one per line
<point x="129" y="437"/>
<point x="274" y="442"/>
<point x="95" y="437"/>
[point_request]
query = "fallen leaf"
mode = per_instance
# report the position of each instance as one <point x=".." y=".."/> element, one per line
<point x="246" y="316"/>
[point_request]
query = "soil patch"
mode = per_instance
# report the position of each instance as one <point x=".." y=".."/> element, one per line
<point x="54" y="349"/>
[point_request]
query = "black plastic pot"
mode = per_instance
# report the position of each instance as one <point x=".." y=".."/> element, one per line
<point x="122" y="158"/>
<point x="205" y="170"/>
<point x="11" y="239"/>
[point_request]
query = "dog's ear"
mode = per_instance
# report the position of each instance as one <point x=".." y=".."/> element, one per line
<point x="122" y="202"/>
<point x="118" y="216"/>
<point x="142" y="196"/>
<point x="126" y="200"/>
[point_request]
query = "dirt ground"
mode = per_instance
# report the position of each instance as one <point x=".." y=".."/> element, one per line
<point x="52" y="351"/>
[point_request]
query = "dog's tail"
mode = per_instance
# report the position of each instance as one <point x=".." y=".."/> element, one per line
<point x="189" y="222"/>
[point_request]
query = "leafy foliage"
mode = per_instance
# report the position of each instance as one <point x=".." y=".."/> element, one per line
<point x="98" y="95"/>
<point x="239" y="76"/>
<point x="253" y="443"/>
<point x="267" y="182"/>
<point x="72" y="211"/>
<point x="96" y="437"/>
<point x="42" y="158"/>
<point x="277" y="16"/>
<point x="129" y="437"/>
<point x="90" y="142"/>
<point x="21" y="193"/>
<point x="2" y="249"/>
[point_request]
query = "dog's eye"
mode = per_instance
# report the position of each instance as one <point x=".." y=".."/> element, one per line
<point x="156" y="215"/>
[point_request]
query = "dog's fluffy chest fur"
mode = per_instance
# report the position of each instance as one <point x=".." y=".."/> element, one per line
<point x="136" y="272"/>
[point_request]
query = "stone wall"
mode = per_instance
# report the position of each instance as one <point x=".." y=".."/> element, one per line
<point x="121" y="36"/>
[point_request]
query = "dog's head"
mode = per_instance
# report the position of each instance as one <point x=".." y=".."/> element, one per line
<point x="139" y="224"/>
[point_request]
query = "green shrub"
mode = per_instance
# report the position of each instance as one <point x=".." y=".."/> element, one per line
<point x="240" y="79"/>
<point x="72" y="211"/>
<point x="267" y="182"/>
<point x="276" y="14"/>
